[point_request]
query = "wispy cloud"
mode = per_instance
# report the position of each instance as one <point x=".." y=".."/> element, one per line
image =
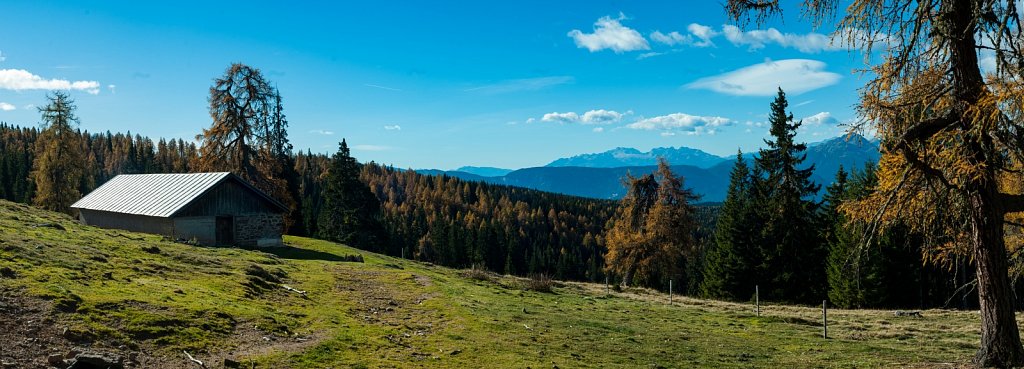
<point x="20" y="79"/>
<point x="6" y="107"/>
<point x="610" y="34"/>
<point x="756" y="39"/>
<point x="382" y="87"/>
<point x="393" y="127"/>
<point x="2" y="56"/>
<point x="671" y="38"/>
<point x="802" y="103"/>
<point x="795" y="76"/>
<point x="371" y="148"/>
<point x="518" y="85"/>
<point x="322" y="132"/>
<point x="681" y="122"/>
<point x="598" y="116"/>
<point x="598" y="129"/>
<point x="112" y="88"/>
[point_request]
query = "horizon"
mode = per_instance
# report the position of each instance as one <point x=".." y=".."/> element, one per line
<point x="441" y="86"/>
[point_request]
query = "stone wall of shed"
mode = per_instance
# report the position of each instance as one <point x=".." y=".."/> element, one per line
<point x="259" y="230"/>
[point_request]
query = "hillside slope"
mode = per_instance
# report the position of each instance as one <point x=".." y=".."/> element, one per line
<point x="67" y="288"/>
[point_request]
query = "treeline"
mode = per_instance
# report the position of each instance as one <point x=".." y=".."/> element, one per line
<point x="106" y="155"/>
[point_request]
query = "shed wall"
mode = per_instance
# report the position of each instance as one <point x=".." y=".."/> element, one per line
<point x="130" y="222"/>
<point x="202" y="229"/>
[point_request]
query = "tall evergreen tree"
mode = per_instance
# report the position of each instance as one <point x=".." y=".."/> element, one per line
<point x="783" y="196"/>
<point x="350" y="212"/>
<point x="732" y="259"/>
<point x="58" y="169"/>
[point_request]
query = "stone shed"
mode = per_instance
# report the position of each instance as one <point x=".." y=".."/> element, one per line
<point x="210" y="208"/>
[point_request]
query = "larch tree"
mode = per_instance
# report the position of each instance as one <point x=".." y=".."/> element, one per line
<point x="950" y="131"/>
<point x="654" y="227"/>
<point x="59" y="166"/>
<point x="248" y="136"/>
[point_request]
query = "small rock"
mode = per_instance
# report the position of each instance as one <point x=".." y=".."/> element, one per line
<point x="228" y="363"/>
<point x="55" y="359"/>
<point x="92" y="360"/>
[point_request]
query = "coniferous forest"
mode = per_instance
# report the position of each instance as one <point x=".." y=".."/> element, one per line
<point x="770" y="231"/>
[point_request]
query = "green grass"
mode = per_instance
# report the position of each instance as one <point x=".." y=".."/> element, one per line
<point x="388" y="312"/>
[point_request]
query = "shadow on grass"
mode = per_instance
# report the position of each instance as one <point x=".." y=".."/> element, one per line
<point x="295" y="253"/>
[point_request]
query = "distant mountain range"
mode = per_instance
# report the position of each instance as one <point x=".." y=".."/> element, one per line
<point x="629" y="157"/>
<point x="600" y="175"/>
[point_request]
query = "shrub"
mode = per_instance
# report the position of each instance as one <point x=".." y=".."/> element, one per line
<point x="539" y="283"/>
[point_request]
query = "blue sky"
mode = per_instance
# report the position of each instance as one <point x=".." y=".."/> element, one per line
<point x="438" y="84"/>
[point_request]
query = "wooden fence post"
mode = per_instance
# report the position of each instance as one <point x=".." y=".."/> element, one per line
<point x="824" y="319"/>
<point x="757" y="300"/>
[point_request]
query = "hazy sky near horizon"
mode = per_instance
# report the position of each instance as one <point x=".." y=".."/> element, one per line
<point x="440" y="84"/>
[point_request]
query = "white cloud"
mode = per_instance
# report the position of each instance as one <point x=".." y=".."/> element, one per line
<point x="795" y="76"/>
<point x="112" y="88"/>
<point x="6" y="107"/>
<point x="672" y="38"/>
<point x="30" y="106"/>
<point x="690" y="124"/>
<point x="704" y="33"/>
<point x="371" y="148"/>
<point x="668" y="134"/>
<point x="531" y="120"/>
<point x="598" y="129"/>
<point x="20" y="79"/>
<point x="598" y="116"/>
<point x="756" y="39"/>
<point x="2" y="56"/>
<point x="322" y="132"/>
<point x="824" y="117"/>
<point x="601" y="116"/>
<point x="567" y="117"/>
<point x="525" y="84"/>
<point x="610" y="34"/>
<point x="393" y="127"/>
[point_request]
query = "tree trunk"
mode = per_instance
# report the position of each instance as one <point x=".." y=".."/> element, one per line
<point x="1000" y="338"/>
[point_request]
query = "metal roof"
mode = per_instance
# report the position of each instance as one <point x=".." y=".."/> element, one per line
<point x="156" y="195"/>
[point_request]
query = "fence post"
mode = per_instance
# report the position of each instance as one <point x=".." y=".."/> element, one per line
<point x="824" y="319"/>
<point x="670" y="292"/>
<point x="607" y="289"/>
<point x="757" y="300"/>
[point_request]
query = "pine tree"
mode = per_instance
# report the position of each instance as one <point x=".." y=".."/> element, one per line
<point x="792" y="251"/>
<point x="350" y="211"/>
<point x="58" y="168"/>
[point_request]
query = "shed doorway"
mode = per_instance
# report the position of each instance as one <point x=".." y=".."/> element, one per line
<point x="225" y="230"/>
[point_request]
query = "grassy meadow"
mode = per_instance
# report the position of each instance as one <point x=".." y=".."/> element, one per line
<point x="133" y="293"/>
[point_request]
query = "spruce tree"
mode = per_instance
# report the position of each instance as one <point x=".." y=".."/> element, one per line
<point x="350" y="212"/>
<point x="793" y="256"/>
<point x="731" y="261"/>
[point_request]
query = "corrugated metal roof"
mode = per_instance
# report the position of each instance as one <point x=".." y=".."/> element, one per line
<point x="155" y="195"/>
